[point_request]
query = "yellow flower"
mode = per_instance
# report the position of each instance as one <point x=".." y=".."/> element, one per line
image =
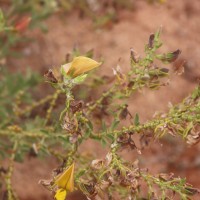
<point x="79" y="66"/>
<point x="65" y="183"/>
<point x="60" y="194"/>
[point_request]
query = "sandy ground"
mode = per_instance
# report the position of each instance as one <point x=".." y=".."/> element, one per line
<point x="180" y="20"/>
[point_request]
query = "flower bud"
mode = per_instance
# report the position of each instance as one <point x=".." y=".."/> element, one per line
<point x="22" y="24"/>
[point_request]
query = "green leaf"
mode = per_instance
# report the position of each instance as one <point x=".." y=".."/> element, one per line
<point x="79" y="79"/>
<point x="110" y="137"/>
<point x="80" y="173"/>
<point x="196" y="93"/>
<point x="90" y="53"/>
<point x="87" y="133"/>
<point x="63" y="72"/>
<point x="45" y="132"/>
<point x="19" y="157"/>
<point x="2" y="21"/>
<point x="136" y="120"/>
<point x="104" y="128"/>
<point x="103" y="142"/>
<point x="157" y="34"/>
<point x="187" y="130"/>
<point x="114" y="124"/>
<point x="90" y="126"/>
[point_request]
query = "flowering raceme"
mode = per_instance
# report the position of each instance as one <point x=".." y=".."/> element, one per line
<point x="79" y="66"/>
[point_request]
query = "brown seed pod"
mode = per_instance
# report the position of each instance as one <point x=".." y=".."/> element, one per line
<point x="151" y="41"/>
<point x="50" y="77"/>
<point x="97" y="164"/>
<point x="124" y="113"/>
<point x="4" y="195"/>
<point x="134" y="56"/>
<point x="3" y="170"/>
<point x="194" y="136"/>
<point x="76" y="106"/>
<point x="88" y="188"/>
<point x="170" y="57"/>
<point x="166" y="177"/>
<point x="127" y="142"/>
<point x="33" y="151"/>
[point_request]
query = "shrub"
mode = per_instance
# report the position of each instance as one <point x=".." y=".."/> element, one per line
<point x="26" y="128"/>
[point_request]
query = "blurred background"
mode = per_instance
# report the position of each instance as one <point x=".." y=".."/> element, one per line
<point x="110" y="28"/>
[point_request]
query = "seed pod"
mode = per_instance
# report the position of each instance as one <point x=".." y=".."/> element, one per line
<point x="33" y="151"/>
<point x="67" y="57"/>
<point x="4" y="195"/>
<point x="104" y="184"/>
<point x="134" y="185"/>
<point x="151" y="41"/>
<point x="60" y="168"/>
<point x="165" y="70"/>
<point x="76" y="106"/>
<point x="145" y="139"/>
<point x="194" y="136"/>
<point x="89" y="188"/>
<point x="169" y="57"/>
<point x="97" y="164"/>
<point x="192" y="191"/>
<point x="166" y="177"/>
<point x="175" y="55"/>
<point x="69" y="125"/>
<point x="3" y="170"/>
<point x="123" y="139"/>
<point x="124" y="112"/>
<point x="106" y="101"/>
<point x="73" y="139"/>
<point x="46" y="183"/>
<point x="131" y="84"/>
<point x="134" y="56"/>
<point x="108" y="159"/>
<point x="127" y="143"/>
<point x="179" y="66"/>
<point x="50" y="77"/>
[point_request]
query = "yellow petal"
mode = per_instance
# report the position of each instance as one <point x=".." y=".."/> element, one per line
<point x="80" y="65"/>
<point x="66" y="67"/>
<point x="66" y="179"/>
<point x="60" y="194"/>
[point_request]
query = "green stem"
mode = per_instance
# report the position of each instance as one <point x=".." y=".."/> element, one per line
<point x="10" y="193"/>
<point x="52" y="104"/>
